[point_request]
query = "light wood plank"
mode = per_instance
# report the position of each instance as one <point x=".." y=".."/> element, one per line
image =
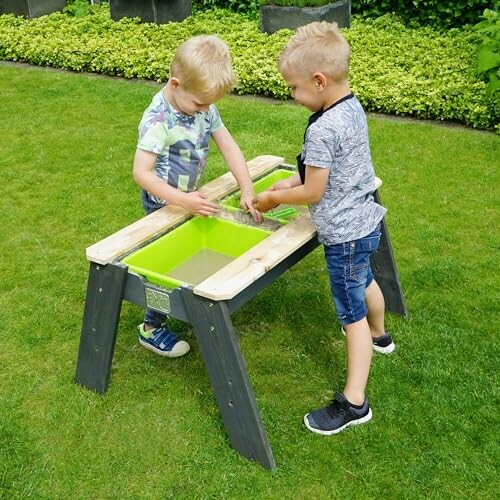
<point x="244" y="270"/>
<point x="115" y="245"/>
<point x="262" y="164"/>
<point x="110" y="248"/>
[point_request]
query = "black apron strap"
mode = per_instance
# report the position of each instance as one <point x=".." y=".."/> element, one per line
<point x="301" y="166"/>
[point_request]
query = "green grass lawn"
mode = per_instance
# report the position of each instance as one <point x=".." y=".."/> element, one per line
<point x="66" y="149"/>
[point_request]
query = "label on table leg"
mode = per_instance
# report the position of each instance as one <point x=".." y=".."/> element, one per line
<point x="159" y="301"/>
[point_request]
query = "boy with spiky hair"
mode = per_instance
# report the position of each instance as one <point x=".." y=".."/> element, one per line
<point x="337" y="180"/>
<point x="172" y="151"/>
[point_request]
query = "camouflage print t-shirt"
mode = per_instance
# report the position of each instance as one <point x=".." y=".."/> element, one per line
<point x="338" y="141"/>
<point x="179" y="140"/>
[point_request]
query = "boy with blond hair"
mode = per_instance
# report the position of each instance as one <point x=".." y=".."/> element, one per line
<point x="172" y="151"/>
<point x="337" y="180"/>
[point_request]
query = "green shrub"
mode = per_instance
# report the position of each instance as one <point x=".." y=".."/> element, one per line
<point x="297" y="3"/>
<point x="252" y="6"/>
<point x="441" y="13"/>
<point x="242" y="6"/>
<point x="79" y="8"/>
<point x="444" y="13"/>
<point x="488" y="59"/>
<point x="423" y="72"/>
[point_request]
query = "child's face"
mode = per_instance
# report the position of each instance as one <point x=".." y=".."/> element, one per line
<point x="187" y="102"/>
<point x="303" y="90"/>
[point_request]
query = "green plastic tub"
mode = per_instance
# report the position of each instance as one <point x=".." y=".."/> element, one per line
<point x="281" y="214"/>
<point x="193" y="251"/>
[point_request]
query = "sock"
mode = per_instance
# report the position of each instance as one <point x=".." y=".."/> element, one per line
<point x="356" y="407"/>
<point x="147" y="333"/>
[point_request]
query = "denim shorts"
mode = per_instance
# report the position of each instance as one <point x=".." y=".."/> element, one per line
<point x="149" y="205"/>
<point x="350" y="273"/>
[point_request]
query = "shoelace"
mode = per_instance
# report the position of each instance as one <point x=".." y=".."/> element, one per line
<point x="337" y="407"/>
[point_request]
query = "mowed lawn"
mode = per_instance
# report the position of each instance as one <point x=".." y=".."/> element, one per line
<point x="66" y="148"/>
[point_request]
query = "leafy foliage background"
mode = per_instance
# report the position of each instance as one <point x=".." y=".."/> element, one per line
<point x="422" y="72"/>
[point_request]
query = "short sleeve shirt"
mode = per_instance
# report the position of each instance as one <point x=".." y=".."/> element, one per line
<point x="180" y="141"/>
<point x="338" y="141"/>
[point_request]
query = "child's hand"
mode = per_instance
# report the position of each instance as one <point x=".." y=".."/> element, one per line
<point x="246" y="204"/>
<point x="264" y="201"/>
<point x="197" y="203"/>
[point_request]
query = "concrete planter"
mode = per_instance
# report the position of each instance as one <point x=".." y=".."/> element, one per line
<point x="31" y="8"/>
<point x="276" y="17"/>
<point x="151" y="11"/>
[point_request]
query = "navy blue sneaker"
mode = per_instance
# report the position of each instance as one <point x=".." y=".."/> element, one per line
<point x="162" y="341"/>
<point x="383" y="344"/>
<point x="337" y="416"/>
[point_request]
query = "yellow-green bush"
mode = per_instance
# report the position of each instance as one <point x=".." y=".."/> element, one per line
<point x="415" y="72"/>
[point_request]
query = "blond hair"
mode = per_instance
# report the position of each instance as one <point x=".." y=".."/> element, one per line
<point x="203" y="66"/>
<point x="317" y="47"/>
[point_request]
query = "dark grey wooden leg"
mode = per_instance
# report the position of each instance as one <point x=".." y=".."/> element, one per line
<point x="386" y="272"/>
<point x="227" y="371"/>
<point x="100" y="323"/>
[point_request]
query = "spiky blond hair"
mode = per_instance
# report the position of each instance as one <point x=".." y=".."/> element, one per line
<point x="317" y="47"/>
<point x="203" y="65"/>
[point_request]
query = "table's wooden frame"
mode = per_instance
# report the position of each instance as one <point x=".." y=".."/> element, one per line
<point x="208" y="306"/>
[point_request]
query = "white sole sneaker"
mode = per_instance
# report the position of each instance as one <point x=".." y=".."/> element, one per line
<point x="377" y="348"/>
<point x="359" y="421"/>
<point x="179" y="349"/>
<point x="384" y="350"/>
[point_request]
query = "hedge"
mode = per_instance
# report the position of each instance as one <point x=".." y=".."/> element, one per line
<point x="442" y="13"/>
<point x="422" y="72"/>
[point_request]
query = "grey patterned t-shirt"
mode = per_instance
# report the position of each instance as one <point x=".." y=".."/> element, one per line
<point x="179" y="140"/>
<point x="338" y="140"/>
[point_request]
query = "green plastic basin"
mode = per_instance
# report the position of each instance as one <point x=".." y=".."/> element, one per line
<point x="193" y="251"/>
<point x="283" y="214"/>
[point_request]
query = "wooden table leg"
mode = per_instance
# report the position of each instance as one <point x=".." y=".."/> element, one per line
<point x="227" y="372"/>
<point x="100" y="323"/>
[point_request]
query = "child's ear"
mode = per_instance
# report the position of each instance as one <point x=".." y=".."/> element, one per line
<point x="174" y="82"/>
<point x="320" y="80"/>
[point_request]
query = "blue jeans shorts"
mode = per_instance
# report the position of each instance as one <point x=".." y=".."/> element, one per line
<point x="148" y="204"/>
<point x="350" y="273"/>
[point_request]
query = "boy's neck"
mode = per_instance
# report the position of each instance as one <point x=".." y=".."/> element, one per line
<point x="167" y="94"/>
<point x="335" y="93"/>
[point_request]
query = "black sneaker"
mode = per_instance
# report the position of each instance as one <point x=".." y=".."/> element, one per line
<point x="338" y="415"/>
<point x="382" y="345"/>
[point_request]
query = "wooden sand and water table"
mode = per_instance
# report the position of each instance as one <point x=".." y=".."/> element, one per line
<point x="201" y="270"/>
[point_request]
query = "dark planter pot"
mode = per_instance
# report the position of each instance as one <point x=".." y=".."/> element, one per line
<point x="31" y="8"/>
<point x="276" y="17"/>
<point x="151" y="11"/>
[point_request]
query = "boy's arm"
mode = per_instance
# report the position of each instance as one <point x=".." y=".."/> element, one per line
<point x="145" y="176"/>
<point x="292" y="181"/>
<point x="235" y="160"/>
<point x="304" y="194"/>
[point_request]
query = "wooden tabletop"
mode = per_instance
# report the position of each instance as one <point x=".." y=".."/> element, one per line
<point x="130" y="237"/>
<point x="239" y="273"/>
